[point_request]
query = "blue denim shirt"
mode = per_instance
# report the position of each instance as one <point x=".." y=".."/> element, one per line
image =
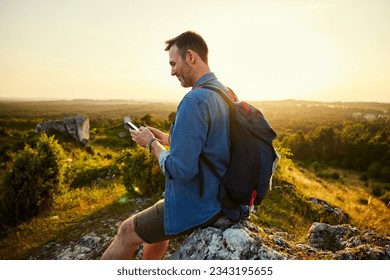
<point x="201" y="127"/>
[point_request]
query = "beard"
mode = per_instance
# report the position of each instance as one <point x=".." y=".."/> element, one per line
<point x="185" y="76"/>
<point x="185" y="82"/>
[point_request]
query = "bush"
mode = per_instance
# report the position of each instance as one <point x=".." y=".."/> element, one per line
<point x="141" y="172"/>
<point x="374" y="170"/>
<point x="386" y="199"/>
<point x="89" y="176"/>
<point x="90" y="150"/>
<point x="35" y="178"/>
<point x="317" y="166"/>
<point x="332" y="176"/>
<point x="363" y="177"/>
<point x="385" y="174"/>
<point x="377" y="190"/>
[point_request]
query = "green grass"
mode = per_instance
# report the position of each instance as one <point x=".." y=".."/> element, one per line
<point x="287" y="209"/>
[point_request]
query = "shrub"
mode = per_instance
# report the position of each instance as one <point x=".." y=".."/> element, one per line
<point x="386" y="199"/>
<point x="363" y="177"/>
<point x="90" y="150"/>
<point x="332" y="175"/>
<point x="374" y="170"/>
<point x="89" y="176"/>
<point x="35" y="178"/>
<point x="377" y="190"/>
<point x="317" y="167"/>
<point x="141" y="172"/>
<point x="385" y="174"/>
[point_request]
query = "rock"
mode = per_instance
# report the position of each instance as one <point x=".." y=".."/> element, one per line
<point x="364" y="252"/>
<point x="76" y="126"/>
<point x="342" y="217"/>
<point x="221" y="243"/>
<point x="249" y="242"/>
<point x="84" y="249"/>
<point x="349" y="243"/>
<point x="327" y="237"/>
<point x="123" y="134"/>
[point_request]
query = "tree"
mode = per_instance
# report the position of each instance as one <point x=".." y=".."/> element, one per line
<point x="325" y="142"/>
<point x="298" y="145"/>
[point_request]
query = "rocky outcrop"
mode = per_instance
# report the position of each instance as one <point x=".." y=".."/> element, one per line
<point x="225" y="241"/>
<point x="76" y="126"/>
<point x="249" y="242"/>
<point x="349" y="243"/>
<point x="339" y="214"/>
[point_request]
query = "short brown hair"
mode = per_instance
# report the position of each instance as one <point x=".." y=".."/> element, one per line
<point x="189" y="41"/>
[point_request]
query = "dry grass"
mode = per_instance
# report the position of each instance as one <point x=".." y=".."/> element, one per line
<point x="70" y="209"/>
<point x="349" y="194"/>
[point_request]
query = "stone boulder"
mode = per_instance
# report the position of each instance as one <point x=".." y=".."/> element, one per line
<point x="339" y="214"/>
<point x="348" y="242"/>
<point x="219" y="242"/>
<point x="76" y="126"/>
<point x="249" y="242"/>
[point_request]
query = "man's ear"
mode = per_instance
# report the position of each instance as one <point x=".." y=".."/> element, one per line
<point x="190" y="56"/>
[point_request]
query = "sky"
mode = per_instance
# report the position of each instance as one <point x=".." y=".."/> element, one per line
<point x="325" y="50"/>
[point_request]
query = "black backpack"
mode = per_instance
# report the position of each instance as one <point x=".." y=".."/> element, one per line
<point x="253" y="159"/>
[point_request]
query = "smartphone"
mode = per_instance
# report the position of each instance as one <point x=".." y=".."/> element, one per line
<point x="129" y="124"/>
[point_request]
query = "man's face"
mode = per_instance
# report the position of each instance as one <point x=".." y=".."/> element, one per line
<point x="179" y="67"/>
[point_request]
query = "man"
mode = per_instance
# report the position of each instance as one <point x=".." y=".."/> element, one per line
<point x="201" y="127"/>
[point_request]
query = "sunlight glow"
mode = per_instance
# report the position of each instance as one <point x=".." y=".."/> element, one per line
<point x="265" y="50"/>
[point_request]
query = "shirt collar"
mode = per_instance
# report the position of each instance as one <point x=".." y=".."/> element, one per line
<point x="205" y="78"/>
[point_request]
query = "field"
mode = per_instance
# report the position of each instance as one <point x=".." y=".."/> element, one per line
<point x="95" y="187"/>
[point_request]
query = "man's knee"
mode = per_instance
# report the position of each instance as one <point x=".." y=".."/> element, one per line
<point x="126" y="232"/>
<point x="126" y="228"/>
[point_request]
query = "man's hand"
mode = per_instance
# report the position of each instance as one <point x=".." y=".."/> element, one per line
<point x="162" y="136"/>
<point x="142" y="137"/>
<point x="145" y="135"/>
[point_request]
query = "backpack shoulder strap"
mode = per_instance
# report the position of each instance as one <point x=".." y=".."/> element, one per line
<point x="211" y="166"/>
<point x="229" y="96"/>
<point x="229" y="99"/>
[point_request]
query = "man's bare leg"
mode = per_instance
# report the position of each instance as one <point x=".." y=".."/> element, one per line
<point x="125" y="243"/>
<point x="155" y="251"/>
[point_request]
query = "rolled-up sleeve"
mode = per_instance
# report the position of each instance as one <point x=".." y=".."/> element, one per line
<point x="161" y="161"/>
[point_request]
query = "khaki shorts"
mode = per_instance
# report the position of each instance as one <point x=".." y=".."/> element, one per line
<point x="149" y="224"/>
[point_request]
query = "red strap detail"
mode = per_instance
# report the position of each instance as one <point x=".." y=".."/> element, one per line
<point x="231" y="95"/>
<point x="246" y="106"/>
<point x="254" y="193"/>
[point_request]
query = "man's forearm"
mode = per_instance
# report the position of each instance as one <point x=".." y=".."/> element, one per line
<point x="156" y="149"/>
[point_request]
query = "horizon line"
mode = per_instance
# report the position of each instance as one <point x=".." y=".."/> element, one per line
<point x="36" y="99"/>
